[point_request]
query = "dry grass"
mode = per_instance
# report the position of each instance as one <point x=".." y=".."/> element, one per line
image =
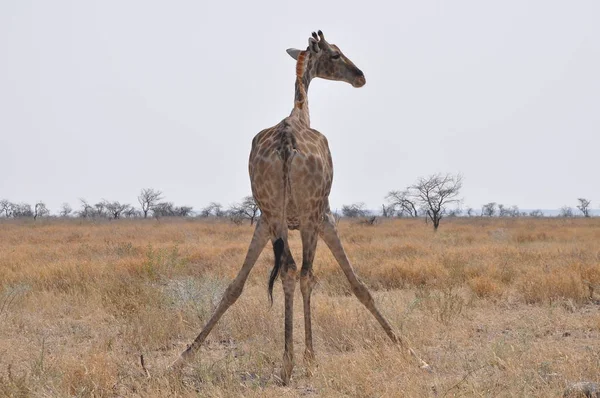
<point x="498" y="307"/>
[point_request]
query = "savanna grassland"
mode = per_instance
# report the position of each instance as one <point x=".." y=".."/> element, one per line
<point x="498" y="307"/>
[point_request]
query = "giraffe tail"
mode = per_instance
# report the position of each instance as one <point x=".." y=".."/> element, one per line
<point x="278" y="247"/>
<point x="286" y="150"/>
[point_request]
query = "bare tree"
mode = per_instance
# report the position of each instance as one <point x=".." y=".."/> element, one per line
<point x="213" y="209"/>
<point x="505" y="211"/>
<point x="115" y="209"/>
<point x="488" y="209"/>
<point x="248" y="209"/>
<point x="131" y="212"/>
<point x="40" y="210"/>
<point x="502" y="211"/>
<point x="87" y="210"/>
<point x="584" y="206"/>
<point x="148" y="198"/>
<point x="435" y="192"/>
<point x="65" y="210"/>
<point x="455" y="212"/>
<point x="387" y="211"/>
<point x="514" y="211"/>
<point x="536" y="213"/>
<point x="21" y="210"/>
<point x="565" y="211"/>
<point x="354" y="210"/>
<point x="470" y="212"/>
<point x="403" y="203"/>
<point x="183" y="211"/>
<point x="100" y="209"/>
<point x="168" y="209"/>
<point x="6" y="207"/>
<point x="163" y="209"/>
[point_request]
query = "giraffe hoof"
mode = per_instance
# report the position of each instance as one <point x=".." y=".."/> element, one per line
<point x="176" y="366"/>
<point x="280" y="379"/>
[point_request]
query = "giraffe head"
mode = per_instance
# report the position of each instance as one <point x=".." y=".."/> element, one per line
<point x="325" y="60"/>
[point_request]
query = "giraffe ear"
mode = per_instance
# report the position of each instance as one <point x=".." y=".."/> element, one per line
<point x="293" y="53"/>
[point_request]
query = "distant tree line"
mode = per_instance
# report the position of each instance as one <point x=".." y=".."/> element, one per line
<point x="433" y="198"/>
<point x="152" y="204"/>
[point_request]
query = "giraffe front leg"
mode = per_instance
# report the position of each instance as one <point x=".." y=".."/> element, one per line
<point x="330" y="236"/>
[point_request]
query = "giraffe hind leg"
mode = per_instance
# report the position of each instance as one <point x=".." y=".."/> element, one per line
<point x="234" y="290"/>
<point x="307" y="281"/>
<point x="330" y="236"/>
<point x="288" y="278"/>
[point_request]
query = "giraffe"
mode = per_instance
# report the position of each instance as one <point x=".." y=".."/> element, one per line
<point x="291" y="173"/>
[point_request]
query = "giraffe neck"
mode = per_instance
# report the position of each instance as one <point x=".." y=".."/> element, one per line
<point x="303" y="78"/>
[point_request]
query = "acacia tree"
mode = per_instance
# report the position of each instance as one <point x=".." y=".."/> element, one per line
<point x="100" y="208"/>
<point x="387" y="211"/>
<point x="65" y="210"/>
<point x="115" y="209"/>
<point x="584" y="206"/>
<point x="565" y="211"/>
<point x="149" y="198"/>
<point x="87" y="210"/>
<point x="6" y="207"/>
<point x="488" y="209"/>
<point x="213" y="209"/>
<point x="355" y="210"/>
<point x="505" y="211"/>
<point x="536" y="213"/>
<point x="435" y="192"/>
<point x="403" y="202"/>
<point x="21" y="210"/>
<point x="131" y="212"/>
<point x="40" y="210"/>
<point x="248" y="208"/>
<point x="168" y="209"/>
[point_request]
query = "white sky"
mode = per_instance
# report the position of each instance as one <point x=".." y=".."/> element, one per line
<point x="100" y="99"/>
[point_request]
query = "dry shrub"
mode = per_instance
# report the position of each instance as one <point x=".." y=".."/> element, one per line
<point x="485" y="287"/>
<point x="408" y="274"/>
<point x="546" y="287"/>
<point x="456" y="266"/>
<point x="399" y="250"/>
<point x="124" y="296"/>
<point x="590" y="275"/>
<point x="526" y="237"/>
<point x="91" y="375"/>
<point x="506" y="273"/>
<point x="67" y="277"/>
<point x="345" y="326"/>
<point x="333" y="325"/>
<point x="444" y="306"/>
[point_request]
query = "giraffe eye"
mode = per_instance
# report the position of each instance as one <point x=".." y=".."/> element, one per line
<point x="335" y="56"/>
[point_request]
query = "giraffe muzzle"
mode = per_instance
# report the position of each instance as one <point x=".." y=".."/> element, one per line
<point x="359" y="81"/>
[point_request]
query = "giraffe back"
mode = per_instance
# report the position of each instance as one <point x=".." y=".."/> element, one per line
<point x="291" y="172"/>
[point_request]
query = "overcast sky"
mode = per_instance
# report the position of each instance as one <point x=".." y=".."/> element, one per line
<point x="100" y="99"/>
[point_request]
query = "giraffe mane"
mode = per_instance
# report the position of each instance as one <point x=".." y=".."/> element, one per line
<point x="300" y="69"/>
<point x="301" y="64"/>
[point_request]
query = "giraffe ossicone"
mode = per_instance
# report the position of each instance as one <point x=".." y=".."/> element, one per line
<point x="291" y="172"/>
